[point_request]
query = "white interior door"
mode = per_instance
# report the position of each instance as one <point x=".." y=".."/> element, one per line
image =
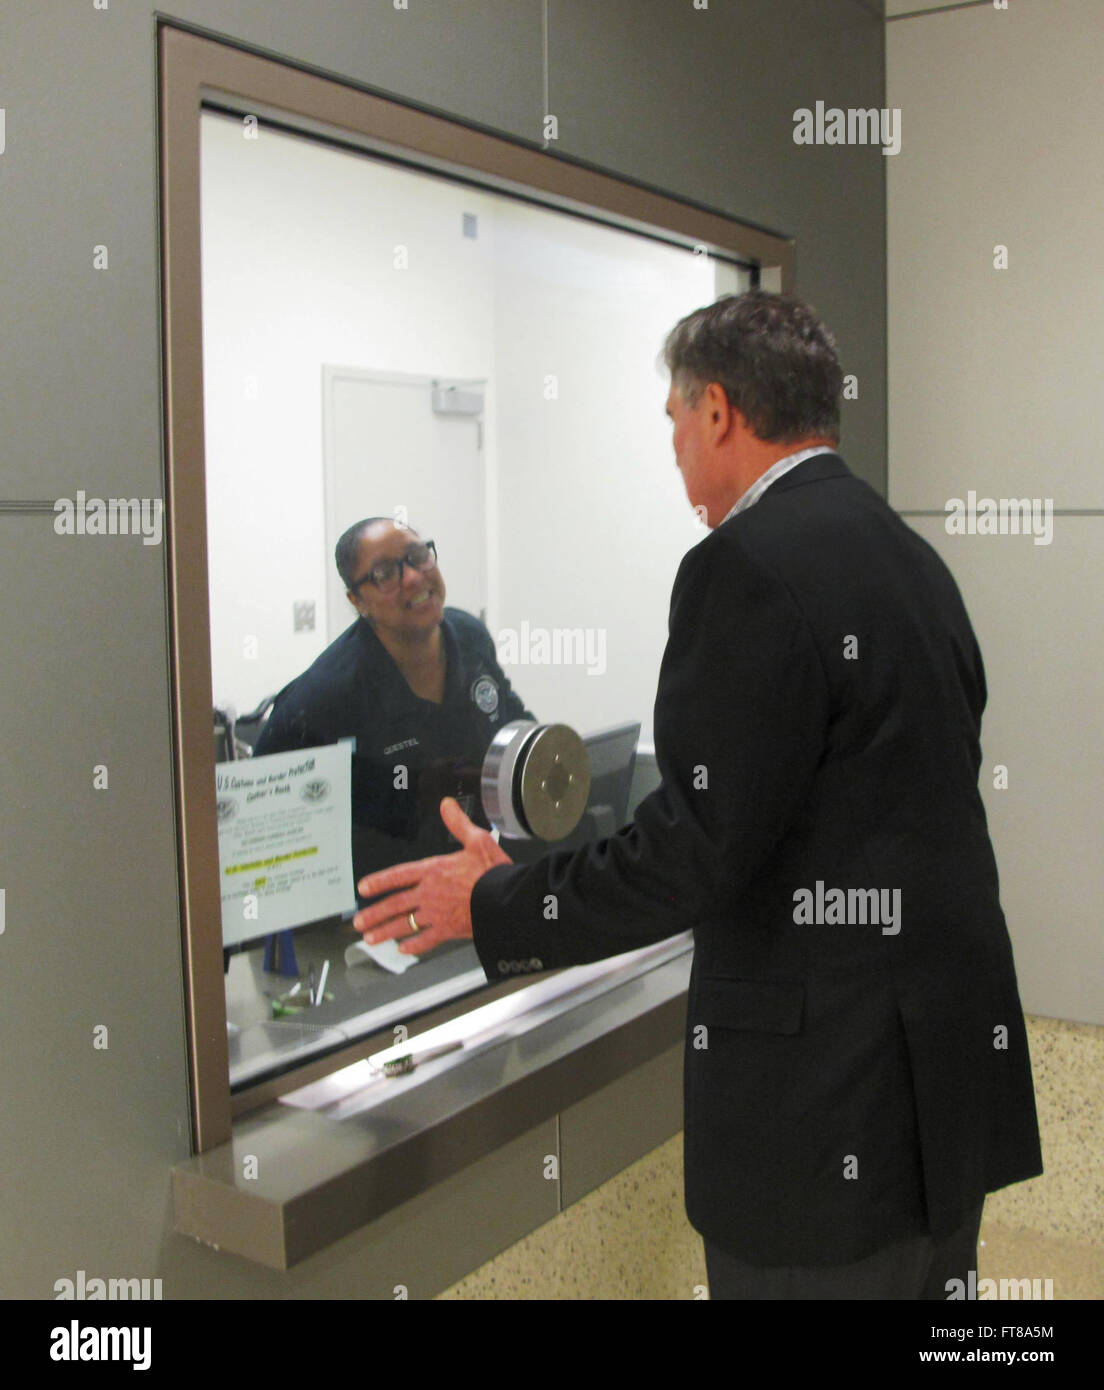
<point x="386" y="449"/>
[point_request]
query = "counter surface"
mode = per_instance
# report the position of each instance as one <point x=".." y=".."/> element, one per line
<point x="292" y="1181"/>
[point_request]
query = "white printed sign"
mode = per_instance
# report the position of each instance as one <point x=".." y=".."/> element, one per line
<point x="285" y="846"/>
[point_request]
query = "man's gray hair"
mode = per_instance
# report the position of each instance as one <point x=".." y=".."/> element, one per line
<point x="774" y="359"/>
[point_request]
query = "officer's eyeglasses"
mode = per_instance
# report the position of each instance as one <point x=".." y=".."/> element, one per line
<point x="386" y="577"/>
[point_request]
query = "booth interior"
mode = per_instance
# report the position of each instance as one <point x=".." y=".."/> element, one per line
<point x="381" y="340"/>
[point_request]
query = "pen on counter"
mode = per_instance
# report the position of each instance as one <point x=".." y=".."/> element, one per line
<point x="311" y="978"/>
<point x="320" y="996"/>
<point x="399" y="1066"/>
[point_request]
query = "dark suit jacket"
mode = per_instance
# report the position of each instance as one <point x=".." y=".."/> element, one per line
<point x="817" y="721"/>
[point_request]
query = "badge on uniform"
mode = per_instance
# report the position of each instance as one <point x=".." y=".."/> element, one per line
<point x="485" y="694"/>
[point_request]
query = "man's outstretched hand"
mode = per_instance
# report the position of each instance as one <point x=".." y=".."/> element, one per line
<point x="436" y="890"/>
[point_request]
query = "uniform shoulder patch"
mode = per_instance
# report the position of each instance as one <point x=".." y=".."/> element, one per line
<point x="484" y="693"/>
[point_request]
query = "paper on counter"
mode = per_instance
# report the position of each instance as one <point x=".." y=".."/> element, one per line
<point x="387" y="954"/>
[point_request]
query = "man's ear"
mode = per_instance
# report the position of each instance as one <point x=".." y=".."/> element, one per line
<point x="720" y="414"/>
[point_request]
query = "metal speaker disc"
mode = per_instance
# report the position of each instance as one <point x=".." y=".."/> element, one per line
<point x="554" y="781"/>
<point x="536" y="779"/>
<point x="496" y="784"/>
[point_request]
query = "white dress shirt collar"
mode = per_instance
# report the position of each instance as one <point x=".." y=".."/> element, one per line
<point x="773" y="473"/>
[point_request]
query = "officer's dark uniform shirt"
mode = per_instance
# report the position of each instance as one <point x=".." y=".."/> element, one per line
<point x="356" y="690"/>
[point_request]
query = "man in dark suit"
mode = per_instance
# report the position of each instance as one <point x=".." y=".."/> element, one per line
<point x="857" y="1074"/>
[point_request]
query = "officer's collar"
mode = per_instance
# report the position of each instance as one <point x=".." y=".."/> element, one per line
<point x="389" y="667"/>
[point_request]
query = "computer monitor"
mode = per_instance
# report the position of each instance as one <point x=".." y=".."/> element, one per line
<point x="612" y="754"/>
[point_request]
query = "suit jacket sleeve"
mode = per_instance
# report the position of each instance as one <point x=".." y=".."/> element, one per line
<point x="741" y="720"/>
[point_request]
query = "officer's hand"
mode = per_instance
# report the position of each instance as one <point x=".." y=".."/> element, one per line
<point x="437" y="890"/>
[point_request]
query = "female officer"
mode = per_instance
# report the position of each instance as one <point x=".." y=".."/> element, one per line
<point x="416" y="684"/>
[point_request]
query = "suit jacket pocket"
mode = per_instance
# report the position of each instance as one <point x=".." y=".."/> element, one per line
<point x="754" y="1006"/>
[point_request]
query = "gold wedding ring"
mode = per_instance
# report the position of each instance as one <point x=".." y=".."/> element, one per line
<point x="413" y="925"/>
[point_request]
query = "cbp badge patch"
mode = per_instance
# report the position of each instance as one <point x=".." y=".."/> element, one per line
<point x="485" y="694"/>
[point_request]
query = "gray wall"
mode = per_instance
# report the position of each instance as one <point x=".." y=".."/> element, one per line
<point x="698" y="103"/>
<point x="1004" y="405"/>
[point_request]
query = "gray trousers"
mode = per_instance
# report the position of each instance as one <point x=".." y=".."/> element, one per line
<point x="913" y="1269"/>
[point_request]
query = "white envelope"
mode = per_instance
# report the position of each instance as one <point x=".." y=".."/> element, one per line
<point x="387" y="954"/>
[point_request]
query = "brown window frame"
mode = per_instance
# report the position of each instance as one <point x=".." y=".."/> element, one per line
<point x="195" y="72"/>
